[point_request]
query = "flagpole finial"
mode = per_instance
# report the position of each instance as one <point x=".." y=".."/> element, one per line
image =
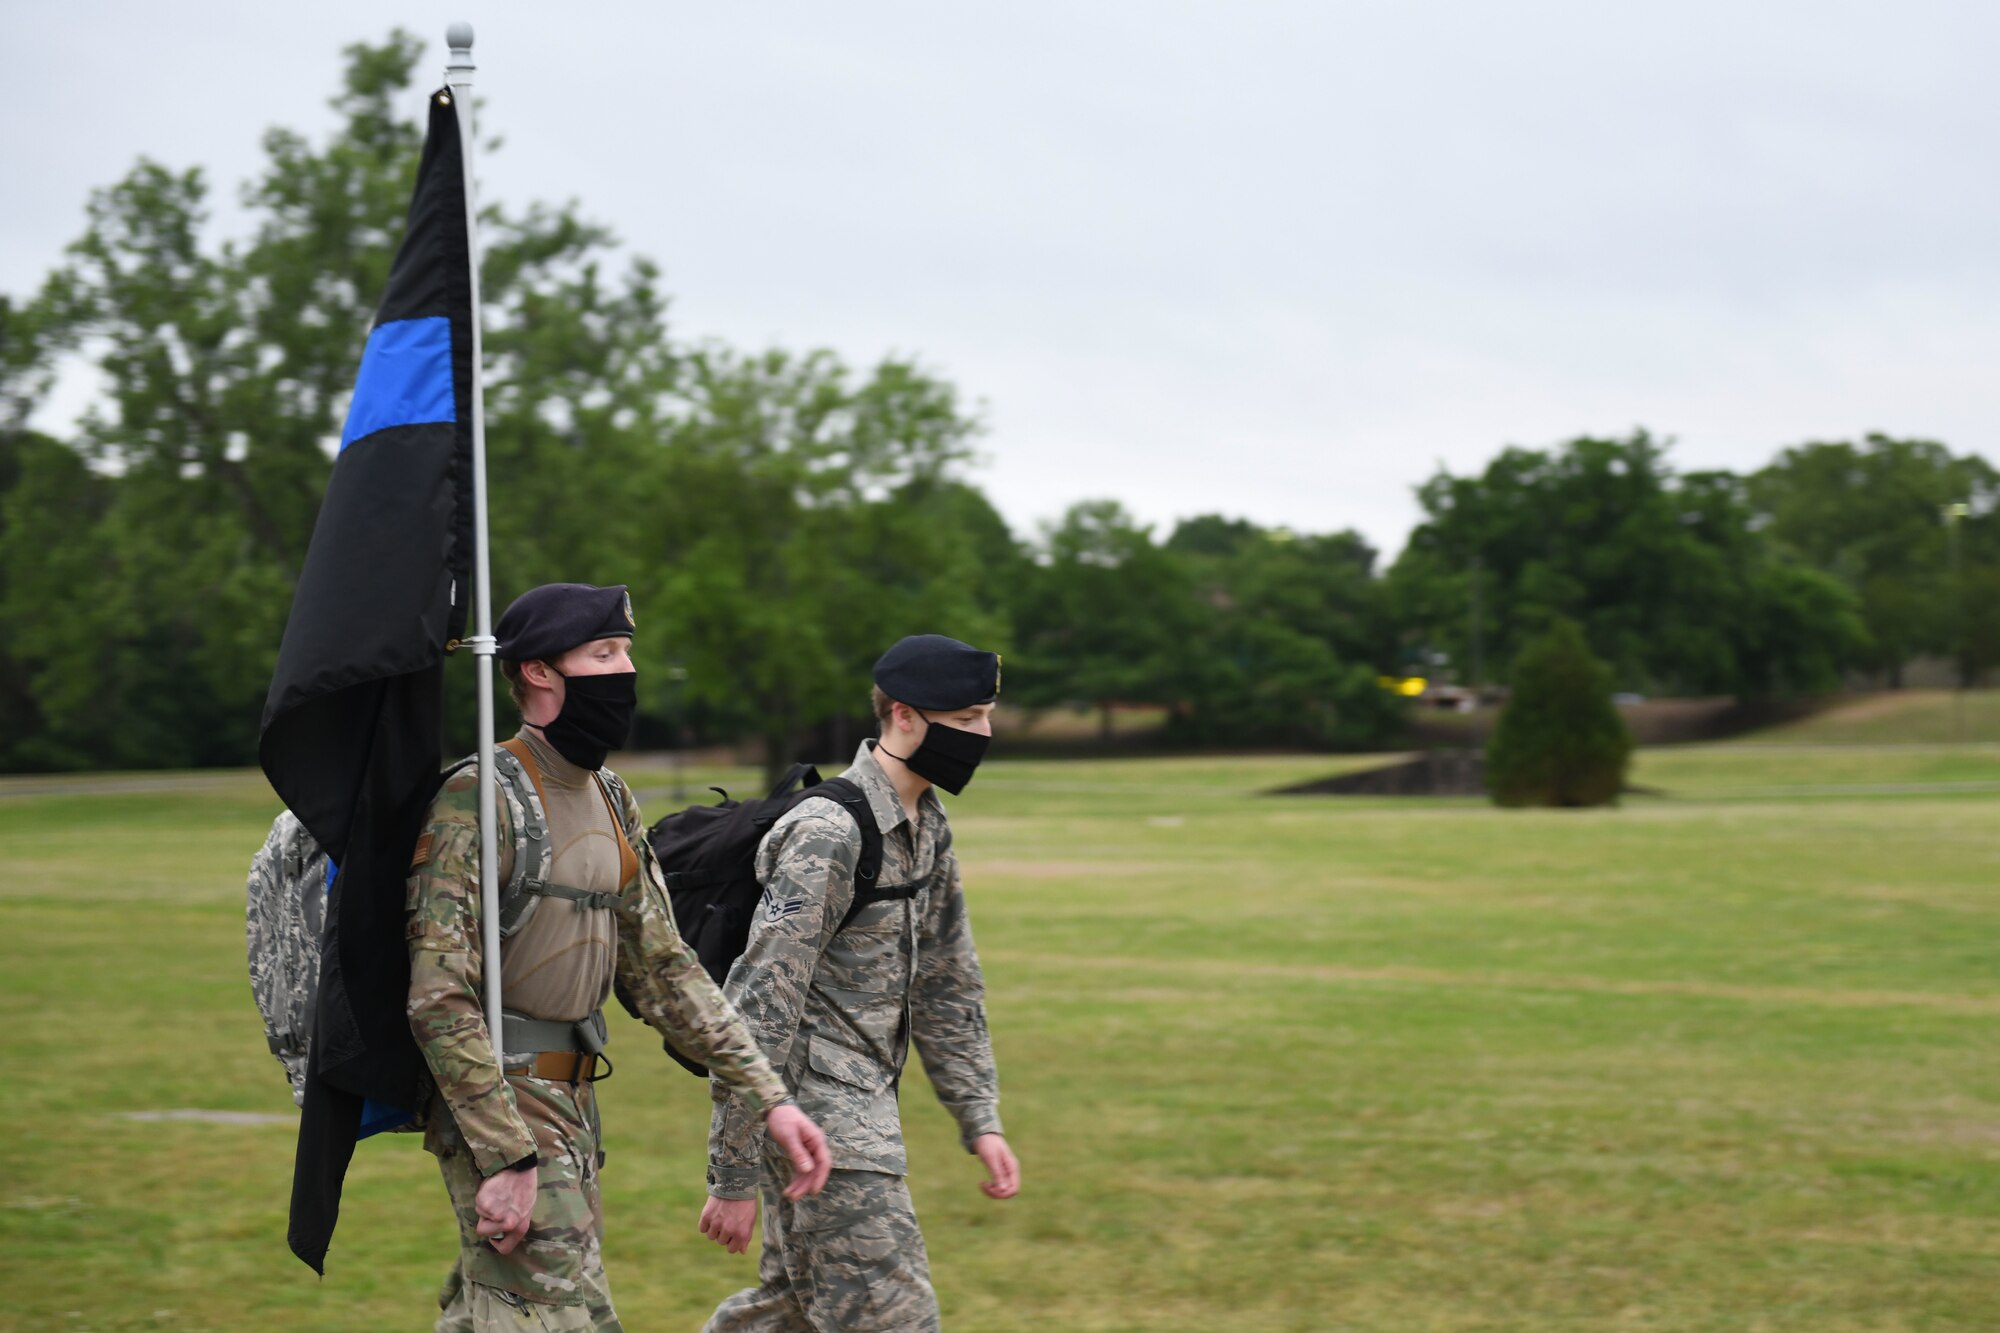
<point x="459" y="38"/>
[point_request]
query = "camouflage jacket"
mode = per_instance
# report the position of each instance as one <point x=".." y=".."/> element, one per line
<point x="833" y="1007"/>
<point x="660" y="973"/>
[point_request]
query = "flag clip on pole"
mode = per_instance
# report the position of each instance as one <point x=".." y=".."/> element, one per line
<point x="458" y="77"/>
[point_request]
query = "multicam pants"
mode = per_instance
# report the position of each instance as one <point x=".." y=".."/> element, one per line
<point x="849" y="1260"/>
<point x="554" y="1279"/>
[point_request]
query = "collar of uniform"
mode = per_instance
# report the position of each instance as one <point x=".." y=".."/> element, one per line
<point x="882" y="798"/>
<point x="556" y="770"/>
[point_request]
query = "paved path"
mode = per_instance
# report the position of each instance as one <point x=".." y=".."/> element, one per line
<point x="209" y="1117"/>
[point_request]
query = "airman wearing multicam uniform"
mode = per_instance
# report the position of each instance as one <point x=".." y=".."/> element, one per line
<point x="835" y="1000"/>
<point x="519" y="1148"/>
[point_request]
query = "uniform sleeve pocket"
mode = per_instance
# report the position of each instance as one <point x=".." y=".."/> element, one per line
<point x="845" y="1066"/>
<point x="542" y="1270"/>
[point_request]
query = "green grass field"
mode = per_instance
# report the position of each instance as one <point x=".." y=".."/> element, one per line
<point x="1898" y="717"/>
<point x="1727" y="1058"/>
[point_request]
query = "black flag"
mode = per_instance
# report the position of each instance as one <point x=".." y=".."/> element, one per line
<point x="351" y="726"/>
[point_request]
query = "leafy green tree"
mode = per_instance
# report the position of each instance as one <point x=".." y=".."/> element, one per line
<point x="1289" y="649"/>
<point x="782" y="517"/>
<point x="1669" y="577"/>
<point x="25" y="352"/>
<point x="781" y="549"/>
<point x="961" y="516"/>
<point x="1213" y="536"/>
<point x="1107" y="616"/>
<point x="1872" y="516"/>
<point x="1978" y="629"/>
<point x="1559" y="741"/>
<point x="49" y="580"/>
<point x="778" y="517"/>
<point x="227" y="371"/>
<point x="25" y="741"/>
<point x="1782" y="627"/>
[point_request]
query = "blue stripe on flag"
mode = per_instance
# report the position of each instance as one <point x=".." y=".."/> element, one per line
<point x="405" y="378"/>
<point x="376" y="1117"/>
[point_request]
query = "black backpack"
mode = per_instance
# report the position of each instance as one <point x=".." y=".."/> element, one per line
<point x="708" y="856"/>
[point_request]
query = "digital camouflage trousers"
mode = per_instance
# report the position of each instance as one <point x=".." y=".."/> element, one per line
<point x="554" y="1279"/>
<point x="849" y="1260"/>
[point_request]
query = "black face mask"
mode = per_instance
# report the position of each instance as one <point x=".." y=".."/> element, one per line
<point x="596" y="717"/>
<point x="946" y="756"/>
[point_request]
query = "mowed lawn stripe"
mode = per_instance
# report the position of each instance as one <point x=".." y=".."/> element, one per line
<point x="1201" y="972"/>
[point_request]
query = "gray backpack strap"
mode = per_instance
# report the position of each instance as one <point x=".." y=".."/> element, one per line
<point x="531" y="836"/>
<point x="532" y="852"/>
<point x="614" y="786"/>
<point x="528" y="883"/>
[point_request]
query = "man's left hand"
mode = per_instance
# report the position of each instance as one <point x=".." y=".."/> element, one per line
<point x="729" y="1222"/>
<point x="1003" y="1172"/>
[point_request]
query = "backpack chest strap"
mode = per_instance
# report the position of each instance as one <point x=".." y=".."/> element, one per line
<point x="585" y="898"/>
<point x="846" y="793"/>
<point x="868" y="897"/>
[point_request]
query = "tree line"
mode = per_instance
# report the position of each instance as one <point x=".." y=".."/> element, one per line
<point x="780" y="516"/>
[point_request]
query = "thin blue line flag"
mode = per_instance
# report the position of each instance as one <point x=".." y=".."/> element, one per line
<point x="351" y="737"/>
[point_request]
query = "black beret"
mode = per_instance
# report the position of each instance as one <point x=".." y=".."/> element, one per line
<point x="550" y="620"/>
<point x="932" y="673"/>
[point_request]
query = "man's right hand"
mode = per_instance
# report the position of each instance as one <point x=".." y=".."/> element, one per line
<point x="804" y="1144"/>
<point x="506" y="1203"/>
<point x="729" y="1222"/>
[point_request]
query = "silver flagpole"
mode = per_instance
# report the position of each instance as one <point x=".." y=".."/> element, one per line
<point x="458" y="77"/>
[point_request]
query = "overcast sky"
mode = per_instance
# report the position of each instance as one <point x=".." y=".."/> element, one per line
<point x="1274" y="260"/>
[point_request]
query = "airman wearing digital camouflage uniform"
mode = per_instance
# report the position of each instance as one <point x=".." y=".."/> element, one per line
<point x="835" y="1001"/>
<point x="520" y="1153"/>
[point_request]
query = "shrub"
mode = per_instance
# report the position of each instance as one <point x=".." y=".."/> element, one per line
<point x="1559" y="741"/>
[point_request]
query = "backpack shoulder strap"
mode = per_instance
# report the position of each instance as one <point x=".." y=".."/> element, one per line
<point x="524" y="780"/>
<point x="531" y="798"/>
<point x="868" y="868"/>
<point x="514" y="765"/>
<point x="612" y="790"/>
<point x="525" y="757"/>
<point x="848" y="794"/>
<point x="609" y="785"/>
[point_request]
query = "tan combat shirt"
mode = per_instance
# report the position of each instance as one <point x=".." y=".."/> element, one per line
<point x="659" y="971"/>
